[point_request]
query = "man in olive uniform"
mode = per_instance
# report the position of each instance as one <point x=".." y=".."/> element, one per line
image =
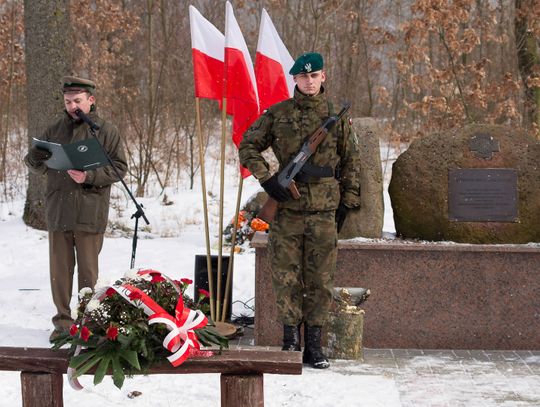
<point x="77" y="202"/>
<point x="303" y="234"/>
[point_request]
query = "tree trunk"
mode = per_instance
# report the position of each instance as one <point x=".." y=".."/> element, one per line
<point x="345" y="330"/>
<point x="528" y="59"/>
<point x="5" y="130"/>
<point x="48" y="57"/>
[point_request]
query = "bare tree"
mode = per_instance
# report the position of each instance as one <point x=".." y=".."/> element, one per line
<point x="527" y="37"/>
<point x="11" y="89"/>
<point x="419" y="65"/>
<point x="47" y="38"/>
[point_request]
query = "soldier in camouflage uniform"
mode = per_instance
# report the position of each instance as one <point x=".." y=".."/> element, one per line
<point x="303" y="234"/>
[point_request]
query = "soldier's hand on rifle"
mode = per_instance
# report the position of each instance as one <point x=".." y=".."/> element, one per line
<point x="275" y="190"/>
<point x="37" y="155"/>
<point x="341" y="215"/>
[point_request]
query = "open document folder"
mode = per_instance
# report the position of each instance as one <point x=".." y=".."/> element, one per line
<point x="82" y="155"/>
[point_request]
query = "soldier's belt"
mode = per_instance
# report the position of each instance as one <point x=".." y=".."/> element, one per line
<point x="310" y="172"/>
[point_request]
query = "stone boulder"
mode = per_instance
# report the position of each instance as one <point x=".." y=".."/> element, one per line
<point x="425" y="207"/>
<point x="367" y="221"/>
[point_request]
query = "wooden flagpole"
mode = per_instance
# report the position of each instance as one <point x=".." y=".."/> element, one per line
<point x="221" y="200"/>
<point x="205" y="209"/>
<point x="230" y="267"/>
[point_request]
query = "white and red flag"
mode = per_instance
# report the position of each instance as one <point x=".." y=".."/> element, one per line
<point x="272" y="65"/>
<point x="241" y="90"/>
<point x="208" y="53"/>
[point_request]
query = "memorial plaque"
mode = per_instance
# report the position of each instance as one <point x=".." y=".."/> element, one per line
<point x="484" y="145"/>
<point x="482" y="195"/>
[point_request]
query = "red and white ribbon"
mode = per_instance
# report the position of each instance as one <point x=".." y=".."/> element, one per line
<point x="181" y="337"/>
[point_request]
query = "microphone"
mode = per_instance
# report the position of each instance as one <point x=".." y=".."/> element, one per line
<point x="81" y="115"/>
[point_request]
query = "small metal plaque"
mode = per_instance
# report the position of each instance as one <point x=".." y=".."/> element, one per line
<point x="484" y="145"/>
<point x="483" y="195"/>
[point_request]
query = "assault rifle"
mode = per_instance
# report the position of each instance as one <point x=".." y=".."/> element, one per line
<point x="286" y="176"/>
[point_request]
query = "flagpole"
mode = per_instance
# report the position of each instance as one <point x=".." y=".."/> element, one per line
<point x="205" y="209"/>
<point x="221" y="201"/>
<point x="233" y="245"/>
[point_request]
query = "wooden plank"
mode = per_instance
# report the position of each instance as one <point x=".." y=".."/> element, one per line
<point x="239" y="361"/>
<point x="41" y="389"/>
<point x="242" y="390"/>
<point x="33" y="359"/>
<point x="241" y="372"/>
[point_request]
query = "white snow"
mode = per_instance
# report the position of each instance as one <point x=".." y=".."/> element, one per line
<point x="175" y="236"/>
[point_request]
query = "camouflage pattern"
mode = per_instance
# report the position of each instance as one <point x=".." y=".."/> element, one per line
<point x="303" y="249"/>
<point x="303" y="236"/>
<point x="284" y="127"/>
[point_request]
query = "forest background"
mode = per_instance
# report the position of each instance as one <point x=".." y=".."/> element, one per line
<point x="417" y="66"/>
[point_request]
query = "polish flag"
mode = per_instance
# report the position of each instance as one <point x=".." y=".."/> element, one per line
<point x="272" y="65"/>
<point x="207" y="50"/>
<point x="241" y="89"/>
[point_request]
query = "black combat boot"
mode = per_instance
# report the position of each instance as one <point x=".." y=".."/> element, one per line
<point x="291" y="338"/>
<point x="313" y="352"/>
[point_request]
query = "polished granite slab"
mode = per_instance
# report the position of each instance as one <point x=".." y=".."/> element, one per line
<point x="428" y="295"/>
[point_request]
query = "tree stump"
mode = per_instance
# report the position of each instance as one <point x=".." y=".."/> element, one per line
<point x="345" y="328"/>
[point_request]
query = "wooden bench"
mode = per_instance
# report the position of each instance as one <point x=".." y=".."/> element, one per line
<point x="241" y="373"/>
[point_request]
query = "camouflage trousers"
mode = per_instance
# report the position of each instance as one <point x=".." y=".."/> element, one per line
<point x="303" y="249"/>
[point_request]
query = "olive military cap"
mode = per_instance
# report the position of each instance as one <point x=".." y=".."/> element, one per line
<point x="305" y="63"/>
<point x="76" y="84"/>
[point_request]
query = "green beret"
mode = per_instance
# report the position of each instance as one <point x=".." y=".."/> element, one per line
<point x="310" y="62"/>
<point x="76" y="84"/>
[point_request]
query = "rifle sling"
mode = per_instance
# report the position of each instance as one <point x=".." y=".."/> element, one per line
<point x="309" y="172"/>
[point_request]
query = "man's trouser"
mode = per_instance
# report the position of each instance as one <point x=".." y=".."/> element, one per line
<point x="303" y="250"/>
<point x="65" y="250"/>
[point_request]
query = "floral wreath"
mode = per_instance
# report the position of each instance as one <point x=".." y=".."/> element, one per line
<point x="122" y="326"/>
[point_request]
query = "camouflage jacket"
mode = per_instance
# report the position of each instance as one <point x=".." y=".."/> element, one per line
<point x="80" y="207"/>
<point x="284" y="127"/>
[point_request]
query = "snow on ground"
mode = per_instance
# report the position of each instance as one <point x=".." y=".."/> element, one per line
<point x="24" y="251"/>
<point x="175" y="236"/>
<point x="26" y="306"/>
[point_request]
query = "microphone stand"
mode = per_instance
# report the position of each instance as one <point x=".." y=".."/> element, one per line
<point x="139" y="212"/>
